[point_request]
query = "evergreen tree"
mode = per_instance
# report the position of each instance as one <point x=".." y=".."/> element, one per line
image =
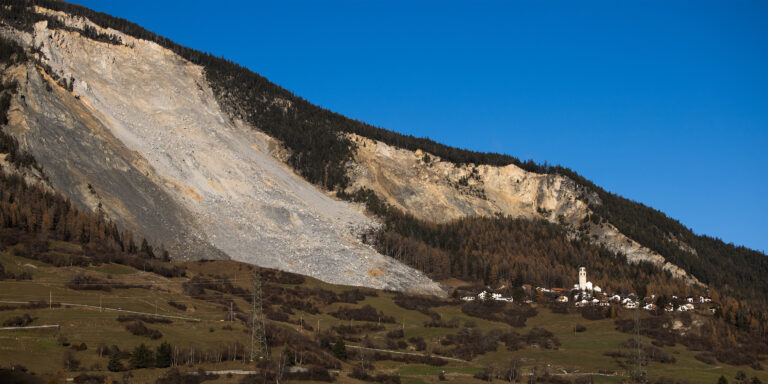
<point x="114" y="365"/>
<point x="163" y="356"/>
<point x="141" y="357"/>
<point x="340" y="349"/>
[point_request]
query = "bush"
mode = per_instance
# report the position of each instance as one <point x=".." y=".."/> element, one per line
<point x="346" y="330"/>
<point x="79" y="348"/>
<point x="85" y="378"/>
<point x="383" y="378"/>
<point x="542" y="338"/>
<point x="579" y="328"/>
<point x="706" y="358"/>
<point x="179" y="306"/>
<point x="139" y="329"/>
<point x="485" y="375"/>
<point x="85" y="282"/>
<point x="19" y="321"/>
<point x="593" y="313"/>
<point x="514" y="315"/>
<point x="352" y="296"/>
<point x="418" y="343"/>
<point x="396" y="334"/>
<point x="146" y="319"/>
<point x="470" y="342"/>
<point x="69" y="361"/>
<point x="366" y="313"/>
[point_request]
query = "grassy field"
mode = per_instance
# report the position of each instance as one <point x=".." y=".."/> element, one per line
<point x="206" y="327"/>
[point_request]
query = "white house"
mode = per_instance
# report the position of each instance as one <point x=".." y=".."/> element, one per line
<point x="485" y="295"/>
<point x="630" y="305"/>
<point x="562" y="299"/>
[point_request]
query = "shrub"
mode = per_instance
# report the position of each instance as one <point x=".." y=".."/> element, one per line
<point x="146" y="319"/>
<point x="706" y="358"/>
<point x="19" y="321"/>
<point x="85" y="378"/>
<point x="514" y="315"/>
<point x="86" y="282"/>
<point x="69" y="361"/>
<point x="396" y="334"/>
<point x="366" y="313"/>
<point x="542" y="338"/>
<point x="139" y="329"/>
<point x="179" y="306"/>
<point x="418" y="343"/>
<point x="79" y="348"/>
<point x="345" y="330"/>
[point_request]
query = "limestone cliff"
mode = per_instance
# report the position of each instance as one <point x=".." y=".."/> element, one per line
<point x="432" y="189"/>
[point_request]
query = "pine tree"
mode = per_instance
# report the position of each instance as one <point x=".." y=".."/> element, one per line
<point x="340" y="350"/>
<point x="141" y="357"/>
<point x="163" y="356"/>
<point x="114" y="365"/>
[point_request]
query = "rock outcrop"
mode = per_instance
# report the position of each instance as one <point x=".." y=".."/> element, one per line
<point x="432" y="189"/>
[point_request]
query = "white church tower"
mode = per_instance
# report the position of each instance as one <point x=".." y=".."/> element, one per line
<point x="583" y="278"/>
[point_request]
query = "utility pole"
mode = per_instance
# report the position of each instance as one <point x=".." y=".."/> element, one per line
<point x="230" y="312"/>
<point x="258" y="330"/>
<point x="101" y="307"/>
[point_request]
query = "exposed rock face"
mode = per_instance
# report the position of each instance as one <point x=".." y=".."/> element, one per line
<point x="142" y="127"/>
<point x="431" y="189"/>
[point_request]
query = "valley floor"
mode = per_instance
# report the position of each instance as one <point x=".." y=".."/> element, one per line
<point x="205" y="326"/>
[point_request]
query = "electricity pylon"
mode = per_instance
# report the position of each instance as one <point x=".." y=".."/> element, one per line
<point x="258" y="330"/>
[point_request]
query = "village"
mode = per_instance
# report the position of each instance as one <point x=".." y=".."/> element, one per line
<point x="587" y="294"/>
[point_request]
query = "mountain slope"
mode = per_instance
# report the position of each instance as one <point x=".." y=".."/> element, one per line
<point x="319" y="145"/>
<point x="440" y="191"/>
<point x="135" y="133"/>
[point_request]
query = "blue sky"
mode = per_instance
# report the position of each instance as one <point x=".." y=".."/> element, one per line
<point x="662" y="102"/>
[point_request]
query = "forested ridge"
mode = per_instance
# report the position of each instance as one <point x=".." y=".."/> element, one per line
<point x="319" y="151"/>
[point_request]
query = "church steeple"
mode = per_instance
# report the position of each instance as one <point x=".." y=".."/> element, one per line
<point x="583" y="278"/>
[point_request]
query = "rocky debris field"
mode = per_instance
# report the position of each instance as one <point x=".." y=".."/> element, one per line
<point x="141" y="137"/>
